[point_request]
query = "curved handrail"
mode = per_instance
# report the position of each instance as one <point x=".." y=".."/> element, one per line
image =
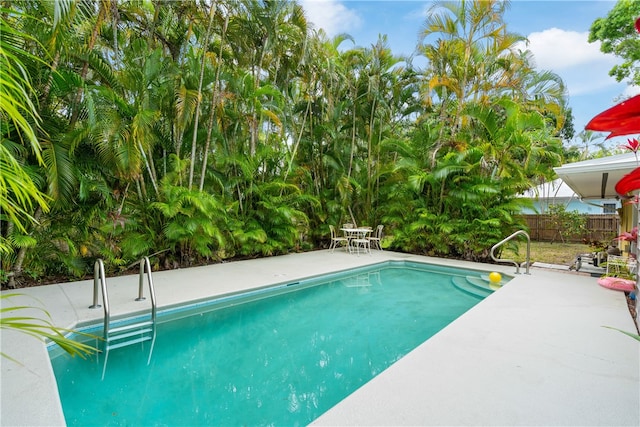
<point x="502" y="242"/>
<point x="98" y="275"/>
<point x="100" y="278"/>
<point x="123" y="332"/>
<point x="145" y="267"/>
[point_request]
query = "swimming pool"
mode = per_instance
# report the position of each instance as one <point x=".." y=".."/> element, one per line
<point x="282" y="355"/>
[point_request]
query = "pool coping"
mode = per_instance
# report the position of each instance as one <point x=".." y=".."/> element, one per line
<point x="532" y="353"/>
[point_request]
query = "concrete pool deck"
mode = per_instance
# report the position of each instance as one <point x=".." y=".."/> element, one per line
<point x="535" y="352"/>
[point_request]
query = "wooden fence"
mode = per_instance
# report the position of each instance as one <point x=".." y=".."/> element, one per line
<point x="601" y="227"/>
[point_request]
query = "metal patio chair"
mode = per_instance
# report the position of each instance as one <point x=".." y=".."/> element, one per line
<point x="337" y="240"/>
<point x="376" y="239"/>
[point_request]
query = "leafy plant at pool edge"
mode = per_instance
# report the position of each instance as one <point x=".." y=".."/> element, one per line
<point x="41" y="329"/>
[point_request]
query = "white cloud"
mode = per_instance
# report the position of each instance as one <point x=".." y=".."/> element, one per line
<point x="332" y="16"/>
<point x="582" y="66"/>
<point x="556" y="49"/>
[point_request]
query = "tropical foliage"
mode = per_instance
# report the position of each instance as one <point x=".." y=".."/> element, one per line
<point x="567" y="223"/>
<point x="198" y="131"/>
<point x="618" y="36"/>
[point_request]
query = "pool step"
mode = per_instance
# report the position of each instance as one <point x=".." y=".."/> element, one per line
<point x="133" y="333"/>
<point x="479" y="287"/>
<point x="493" y="286"/>
<point x="126" y="335"/>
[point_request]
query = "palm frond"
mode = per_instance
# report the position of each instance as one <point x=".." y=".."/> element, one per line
<point x="41" y="328"/>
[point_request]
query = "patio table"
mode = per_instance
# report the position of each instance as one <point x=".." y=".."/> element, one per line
<point x="357" y="239"/>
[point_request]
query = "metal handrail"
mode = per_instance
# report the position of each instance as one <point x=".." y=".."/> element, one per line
<point x="99" y="281"/>
<point x="122" y="332"/>
<point x="502" y="242"/>
<point x="98" y="274"/>
<point x="145" y="267"/>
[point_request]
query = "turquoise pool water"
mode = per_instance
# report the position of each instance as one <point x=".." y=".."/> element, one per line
<point x="278" y="357"/>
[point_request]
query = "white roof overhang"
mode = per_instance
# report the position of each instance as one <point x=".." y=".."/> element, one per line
<point x="556" y="189"/>
<point x="596" y="178"/>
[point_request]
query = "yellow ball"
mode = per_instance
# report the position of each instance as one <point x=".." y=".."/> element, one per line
<point x="495" y="277"/>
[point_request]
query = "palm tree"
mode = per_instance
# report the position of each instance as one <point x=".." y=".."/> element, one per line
<point x="217" y="99"/>
<point x="589" y="138"/>
<point x="473" y="34"/>
<point x="18" y="192"/>
<point x="205" y="43"/>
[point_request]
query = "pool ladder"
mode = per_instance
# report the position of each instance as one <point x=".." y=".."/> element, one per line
<point x="502" y="242"/>
<point x="130" y="333"/>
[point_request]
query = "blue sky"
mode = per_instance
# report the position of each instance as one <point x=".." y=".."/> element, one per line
<point x="557" y="31"/>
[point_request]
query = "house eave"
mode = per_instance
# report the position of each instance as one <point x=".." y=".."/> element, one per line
<point x="596" y="178"/>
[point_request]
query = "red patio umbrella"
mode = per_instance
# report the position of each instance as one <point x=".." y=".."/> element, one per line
<point x="628" y="183"/>
<point x="621" y="119"/>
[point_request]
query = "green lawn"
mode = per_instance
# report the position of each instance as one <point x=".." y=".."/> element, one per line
<point x="552" y="253"/>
